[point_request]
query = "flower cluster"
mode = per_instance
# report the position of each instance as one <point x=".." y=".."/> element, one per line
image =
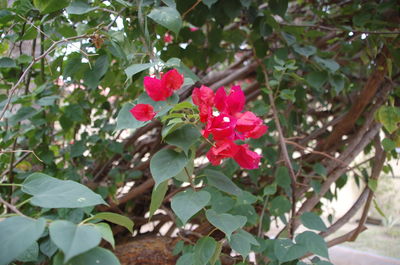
<point x="228" y="124"/>
<point x="158" y="90"/>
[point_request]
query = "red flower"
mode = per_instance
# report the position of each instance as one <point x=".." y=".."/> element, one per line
<point x="159" y="90"/>
<point x="204" y="98"/>
<point x="232" y="103"/>
<point x="221" y="127"/>
<point x="143" y="112"/>
<point x="221" y="150"/>
<point x="246" y="158"/>
<point x="168" y="38"/>
<point x="250" y="125"/>
<point x="192" y="29"/>
<point x="172" y="80"/>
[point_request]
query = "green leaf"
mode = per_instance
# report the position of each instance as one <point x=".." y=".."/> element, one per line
<point x="17" y="235"/>
<point x="157" y="197"/>
<point x="209" y="3"/>
<point x="96" y="256"/>
<point x="288" y="94"/>
<point x="116" y="219"/>
<point x="270" y="189"/>
<point x="389" y="116"/>
<point x="222" y="182"/>
<point x="167" y="17"/>
<point x="184" y="137"/>
<point x="317" y="79"/>
<point x="137" y="68"/>
<point x="92" y="76"/>
<point x="241" y="242"/>
<point x="23" y="113"/>
<point x="320" y="170"/>
<point x="48" y="6"/>
<point x="304" y="50"/>
<point x="329" y="64"/>
<point x="337" y="82"/>
<point x="186" y="259"/>
<point x="225" y="222"/>
<point x="278" y="7"/>
<point x="373" y="184"/>
<point x="73" y="239"/>
<point x="388" y="144"/>
<point x="314" y="243"/>
<point x="217" y="253"/>
<point x="47" y="101"/>
<point x="79" y="7"/>
<point x="6" y="62"/>
<point x="312" y="221"/>
<point x="280" y="205"/>
<point x="281" y="248"/>
<point x="31" y="254"/>
<point x="294" y="252"/>
<point x="204" y="250"/>
<point x="47" y="247"/>
<point x="187" y="203"/>
<point x="166" y="164"/>
<point x="49" y="192"/>
<point x="282" y="178"/>
<point x="290" y="39"/>
<point x="106" y="233"/>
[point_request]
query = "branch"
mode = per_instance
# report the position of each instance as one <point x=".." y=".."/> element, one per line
<point x="20" y="80"/>
<point x="11" y="207"/>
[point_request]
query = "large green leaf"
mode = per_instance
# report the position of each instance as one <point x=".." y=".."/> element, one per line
<point x="280" y="205"/>
<point x="187" y="203"/>
<point x="389" y="116"/>
<point x="157" y="196"/>
<point x="31" y="254"/>
<point x="184" y="137"/>
<point x="6" y="62"/>
<point x="49" y="192"/>
<point x="204" y="250"/>
<point x="48" y="6"/>
<point x="313" y="221"/>
<point x="167" y="17"/>
<point x="106" y="233"/>
<point x="73" y="239"/>
<point x="92" y="76"/>
<point x="329" y="64"/>
<point x="79" y="7"/>
<point x="225" y="222"/>
<point x="186" y="259"/>
<point x="241" y="242"/>
<point x="116" y="219"/>
<point x="17" y="235"/>
<point x="137" y="68"/>
<point x="222" y="182"/>
<point x="317" y="79"/>
<point x="96" y="256"/>
<point x="314" y="243"/>
<point x="166" y="164"/>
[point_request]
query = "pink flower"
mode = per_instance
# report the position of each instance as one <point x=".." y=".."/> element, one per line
<point x="221" y="127"/>
<point x="161" y="89"/>
<point x="193" y="29"/>
<point x="221" y="150"/>
<point x="250" y="125"/>
<point x="204" y="98"/>
<point x="143" y="112"/>
<point x="246" y="158"/>
<point x="232" y="103"/>
<point x="168" y="38"/>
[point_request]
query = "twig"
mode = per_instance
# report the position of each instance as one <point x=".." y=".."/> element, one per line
<point x="49" y="50"/>
<point x="283" y="147"/>
<point x="11" y="207"/>
<point x="22" y="151"/>
<point x="191" y="8"/>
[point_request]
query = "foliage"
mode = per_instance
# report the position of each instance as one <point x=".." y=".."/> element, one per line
<point x="75" y="163"/>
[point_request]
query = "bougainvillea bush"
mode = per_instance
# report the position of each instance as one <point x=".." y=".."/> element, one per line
<point x="192" y="132"/>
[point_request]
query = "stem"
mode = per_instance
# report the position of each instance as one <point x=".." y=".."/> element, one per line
<point x="11" y="207"/>
<point x="190" y="179"/>
<point x="10" y="185"/>
<point x="260" y="234"/>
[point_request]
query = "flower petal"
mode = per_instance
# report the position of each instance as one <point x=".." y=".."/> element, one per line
<point x="143" y="112"/>
<point x="172" y="80"/>
<point x="154" y="89"/>
<point x="246" y="158"/>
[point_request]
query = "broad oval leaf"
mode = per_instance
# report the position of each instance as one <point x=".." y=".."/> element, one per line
<point x="98" y="256"/>
<point x="106" y="233"/>
<point x="225" y="222"/>
<point x="222" y="182"/>
<point x="49" y="192"/>
<point x="116" y="219"/>
<point x="187" y="203"/>
<point x="313" y="221"/>
<point x="79" y="7"/>
<point x="48" y="6"/>
<point x="314" y="243"/>
<point x="137" y="68"/>
<point x="73" y="239"/>
<point x="184" y="137"/>
<point x="204" y="250"/>
<point x="167" y="17"/>
<point x="157" y="196"/>
<point x="166" y="164"/>
<point x="17" y="235"/>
